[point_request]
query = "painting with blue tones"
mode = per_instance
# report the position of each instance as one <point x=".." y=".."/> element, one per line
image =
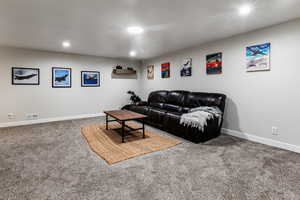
<point x="258" y="57"/>
<point x="90" y="79"/>
<point x="61" y="77"/>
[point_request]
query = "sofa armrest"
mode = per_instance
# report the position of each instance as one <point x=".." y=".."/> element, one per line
<point x="142" y="103"/>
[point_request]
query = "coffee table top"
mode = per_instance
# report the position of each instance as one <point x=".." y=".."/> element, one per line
<point x="124" y="115"/>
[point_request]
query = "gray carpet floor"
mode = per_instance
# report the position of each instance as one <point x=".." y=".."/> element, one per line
<point x="53" y="161"/>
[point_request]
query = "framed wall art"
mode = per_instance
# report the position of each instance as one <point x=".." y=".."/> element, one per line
<point x="61" y="77"/>
<point x="90" y="79"/>
<point x="165" y="70"/>
<point x="186" y="67"/>
<point x="214" y="63"/>
<point x="150" y="72"/>
<point x="25" y="76"/>
<point x="258" y="57"/>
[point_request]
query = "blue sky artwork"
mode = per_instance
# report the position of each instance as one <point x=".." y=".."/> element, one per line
<point x="62" y="77"/>
<point x="258" y="57"/>
<point x="258" y="50"/>
<point x="91" y="79"/>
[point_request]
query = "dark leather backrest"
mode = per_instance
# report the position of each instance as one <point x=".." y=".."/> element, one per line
<point x="177" y="97"/>
<point x="181" y="101"/>
<point x="196" y="99"/>
<point x="158" y="98"/>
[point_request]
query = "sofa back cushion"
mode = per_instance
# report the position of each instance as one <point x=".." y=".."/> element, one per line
<point x="158" y="98"/>
<point x="196" y="99"/>
<point x="182" y="101"/>
<point x="177" y="97"/>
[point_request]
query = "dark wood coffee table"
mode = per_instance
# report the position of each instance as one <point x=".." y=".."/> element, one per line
<point x="121" y="116"/>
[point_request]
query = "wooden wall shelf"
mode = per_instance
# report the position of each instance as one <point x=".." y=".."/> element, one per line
<point x="124" y="71"/>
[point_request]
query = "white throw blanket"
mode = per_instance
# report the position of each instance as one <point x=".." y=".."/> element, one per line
<point x="198" y="117"/>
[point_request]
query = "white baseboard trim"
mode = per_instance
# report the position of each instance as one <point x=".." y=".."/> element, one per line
<point x="262" y="140"/>
<point x="46" y="120"/>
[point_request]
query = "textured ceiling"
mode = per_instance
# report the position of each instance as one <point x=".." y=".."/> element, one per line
<point x="98" y="27"/>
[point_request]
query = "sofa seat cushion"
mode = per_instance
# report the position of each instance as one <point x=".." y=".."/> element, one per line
<point x="156" y="115"/>
<point x="174" y="113"/>
<point x="157" y="105"/>
<point x="173" y="108"/>
<point x="172" y="122"/>
<point x="185" y="109"/>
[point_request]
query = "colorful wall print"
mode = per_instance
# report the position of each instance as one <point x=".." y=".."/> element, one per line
<point x="61" y="77"/>
<point x="186" y="67"/>
<point x="214" y="63"/>
<point x="90" y="79"/>
<point x="258" y="57"/>
<point x="25" y="76"/>
<point x="165" y="70"/>
<point x="150" y="72"/>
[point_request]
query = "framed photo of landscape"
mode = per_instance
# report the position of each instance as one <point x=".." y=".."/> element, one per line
<point x="90" y="79"/>
<point x="25" y="76"/>
<point x="61" y="77"/>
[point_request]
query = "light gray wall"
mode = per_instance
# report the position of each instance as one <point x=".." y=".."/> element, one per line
<point x="49" y="102"/>
<point x="257" y="100"/>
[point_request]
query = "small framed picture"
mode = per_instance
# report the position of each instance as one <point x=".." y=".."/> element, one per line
<point x="186" y="67"/>
<point x="150" y="72"/>
<point x="61" y="77"/>
<point x="165" y="70"/>
<point x="25" y="76"/>
<point x="90" y="79"/>
<point x="258" y="57"/>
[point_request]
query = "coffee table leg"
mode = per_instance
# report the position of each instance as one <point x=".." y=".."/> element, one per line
<point x="123" y="124"/>
<point x="106" y="122"/>
<point x="143" y="129"/>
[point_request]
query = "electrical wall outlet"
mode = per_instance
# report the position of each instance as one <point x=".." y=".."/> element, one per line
<point x="35" y="116"/>
<point x="11" y="116"/>
<point x="275" y="131"/>
<point x="28" y="116"/>
<point x="31" y="116"/>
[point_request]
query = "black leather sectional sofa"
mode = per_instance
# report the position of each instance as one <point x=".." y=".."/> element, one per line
<point x="164" y="109"/>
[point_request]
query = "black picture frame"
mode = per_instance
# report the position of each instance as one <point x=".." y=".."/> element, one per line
<point x="53" y="77"/>
<point x="219" y="61"/>
<point x="14" y="82"/>
<point x="86" y="85"/>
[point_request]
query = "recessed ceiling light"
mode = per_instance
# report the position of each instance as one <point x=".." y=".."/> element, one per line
<point x="135" y="30"/>
<point x="66" y="44"/>
<point x="132" y="53"/>
<point x="245" y="10"/>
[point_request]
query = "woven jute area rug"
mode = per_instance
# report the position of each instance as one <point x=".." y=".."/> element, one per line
<point x="108" y="143"/>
